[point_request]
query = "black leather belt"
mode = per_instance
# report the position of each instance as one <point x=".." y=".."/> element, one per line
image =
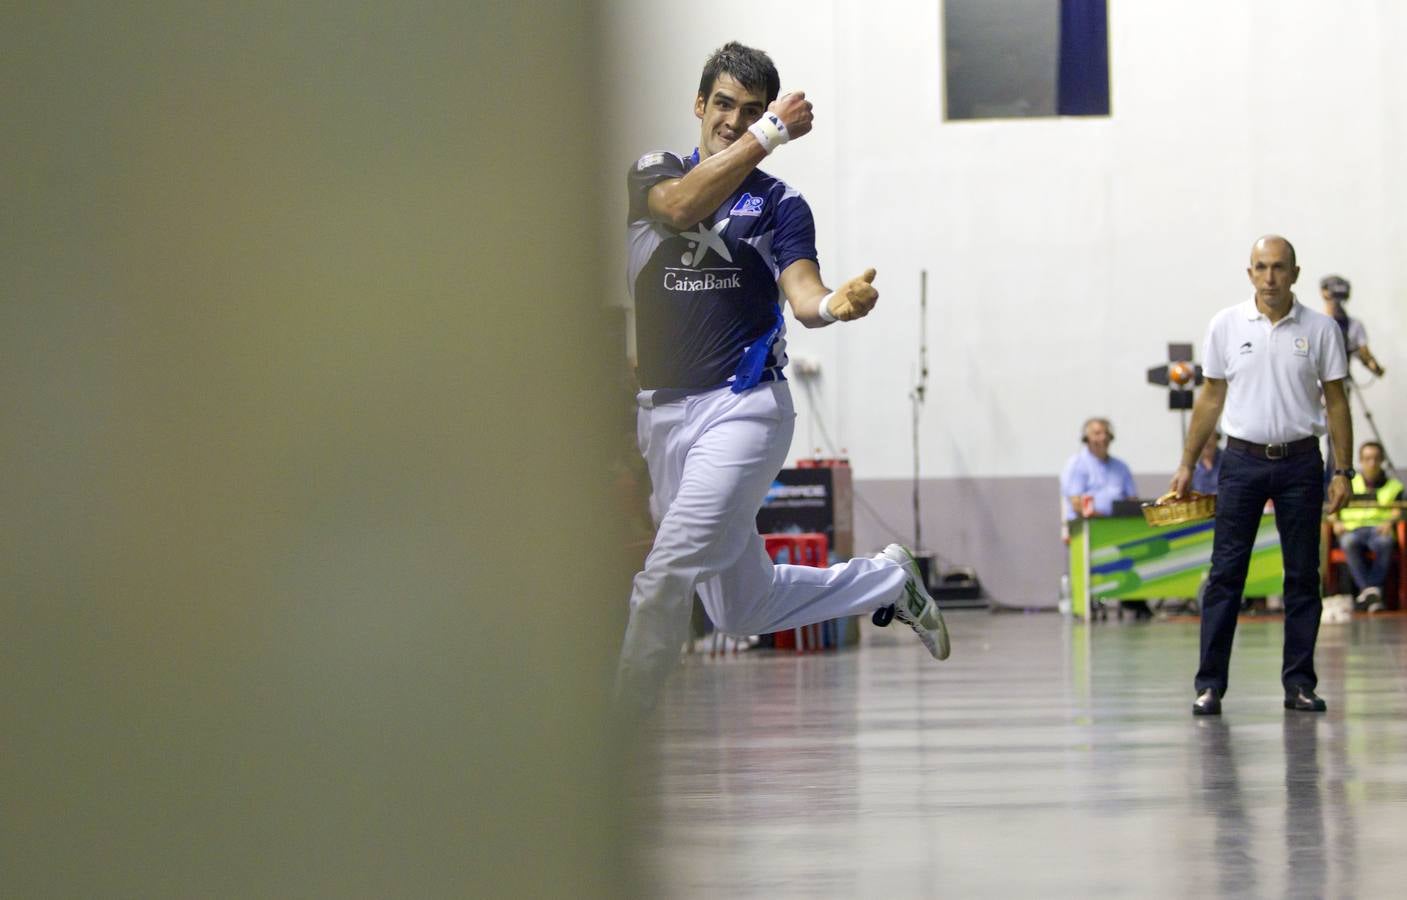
<point x="661" y="396"/>
<point x="1275" y="451"/>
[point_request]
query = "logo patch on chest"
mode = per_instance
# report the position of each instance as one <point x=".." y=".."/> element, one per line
<point x="748" y="205"/>
<point x="1301" y="346"/>
<point x="703" y="239"/>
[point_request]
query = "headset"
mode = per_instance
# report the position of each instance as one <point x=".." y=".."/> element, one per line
<point x="1084" y="429"/>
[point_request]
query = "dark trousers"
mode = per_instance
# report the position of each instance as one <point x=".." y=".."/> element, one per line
<point x="1296" y="486"/>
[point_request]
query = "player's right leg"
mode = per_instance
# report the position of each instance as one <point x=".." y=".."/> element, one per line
<point x="753" y="596"/>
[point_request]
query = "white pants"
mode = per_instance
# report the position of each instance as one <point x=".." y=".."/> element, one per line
<point x="712" y="458"/>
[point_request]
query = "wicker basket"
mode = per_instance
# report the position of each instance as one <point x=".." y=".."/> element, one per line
<point x="1168" y="510"/>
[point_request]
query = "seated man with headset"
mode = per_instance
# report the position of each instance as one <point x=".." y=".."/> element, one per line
<point x="1093" y="480"/>
<point x="1093" y="473"/>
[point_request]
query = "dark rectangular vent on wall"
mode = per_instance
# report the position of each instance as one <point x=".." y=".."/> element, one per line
<point x="1014" y="59"/>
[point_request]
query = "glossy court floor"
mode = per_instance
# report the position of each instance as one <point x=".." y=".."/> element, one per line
<point x="1044" y="759"/>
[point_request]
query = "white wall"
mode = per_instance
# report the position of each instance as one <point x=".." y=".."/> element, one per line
<point x="1063" y="254"/>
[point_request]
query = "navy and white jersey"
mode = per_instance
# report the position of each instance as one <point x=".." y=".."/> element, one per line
<point x="704" y="296"/>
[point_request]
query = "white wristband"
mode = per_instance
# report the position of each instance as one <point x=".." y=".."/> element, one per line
<point x="825" y="309"/>
<point x="770" y="132"/>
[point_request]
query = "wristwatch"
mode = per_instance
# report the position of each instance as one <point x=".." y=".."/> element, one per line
<point x="1350" y="474"/>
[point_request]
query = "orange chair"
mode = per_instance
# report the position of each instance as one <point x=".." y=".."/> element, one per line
<point x="805" y="549"/>
<point x="1335" y="557"/>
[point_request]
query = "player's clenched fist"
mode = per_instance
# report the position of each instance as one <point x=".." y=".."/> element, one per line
<point x="795" y="112"/>
<point x="854" y="298"/>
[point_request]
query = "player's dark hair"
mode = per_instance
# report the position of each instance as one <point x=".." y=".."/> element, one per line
<point x="751" y="68"/>
<point x="1366" y="444"/>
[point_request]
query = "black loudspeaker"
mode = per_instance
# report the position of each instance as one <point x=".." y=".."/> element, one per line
<point x="957" y="588"/>
<point x="927" y="567"/>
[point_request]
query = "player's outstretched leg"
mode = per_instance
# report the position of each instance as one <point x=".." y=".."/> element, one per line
<point x="915" y="607"/>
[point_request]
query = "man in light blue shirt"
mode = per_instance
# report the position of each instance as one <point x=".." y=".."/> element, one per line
<point x="1093" y="472"/>
<point x="1208" y="468"/>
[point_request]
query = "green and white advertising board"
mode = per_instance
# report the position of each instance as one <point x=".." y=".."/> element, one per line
<point x="1127" y="559"/>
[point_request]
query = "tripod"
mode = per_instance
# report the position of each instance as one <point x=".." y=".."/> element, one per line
<point x="1357" y="390"/>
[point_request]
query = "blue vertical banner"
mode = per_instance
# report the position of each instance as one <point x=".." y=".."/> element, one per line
<point x="1083" y="88"/>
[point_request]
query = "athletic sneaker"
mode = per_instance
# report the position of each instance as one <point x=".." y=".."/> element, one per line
<point x="917" y="608"/>
<point x="1370" y="599"/>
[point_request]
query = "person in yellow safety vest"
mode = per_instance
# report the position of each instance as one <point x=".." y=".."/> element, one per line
<point x="1370" y="531"/>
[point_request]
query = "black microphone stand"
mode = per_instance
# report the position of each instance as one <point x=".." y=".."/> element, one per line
<point x="884" y="615"/>
<point x="917" y="396"/>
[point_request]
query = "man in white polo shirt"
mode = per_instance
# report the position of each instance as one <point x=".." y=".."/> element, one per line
<point x="1268" y="362"/>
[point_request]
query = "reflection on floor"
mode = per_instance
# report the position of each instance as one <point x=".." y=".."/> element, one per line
<point x="1044" y="760"/>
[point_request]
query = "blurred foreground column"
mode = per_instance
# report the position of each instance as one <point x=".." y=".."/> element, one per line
<point x="307" y="581"/>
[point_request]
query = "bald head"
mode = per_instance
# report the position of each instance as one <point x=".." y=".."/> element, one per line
<point x="1276" y="240"/>
<point x="1273" y="272"/>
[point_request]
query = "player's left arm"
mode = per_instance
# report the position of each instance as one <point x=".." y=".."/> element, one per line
<point x="1341" y="435"/>
<point x="804" y="290"/>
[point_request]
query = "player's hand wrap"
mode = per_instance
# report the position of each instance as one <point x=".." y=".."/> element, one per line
<point x="770" y="131"/>
<point x="852" y="300"/>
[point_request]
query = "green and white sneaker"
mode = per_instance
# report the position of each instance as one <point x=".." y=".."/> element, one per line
<point x="916" y="608"/>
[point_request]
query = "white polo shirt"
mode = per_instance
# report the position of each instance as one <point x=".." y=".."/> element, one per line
<point x="1273" y="372"/>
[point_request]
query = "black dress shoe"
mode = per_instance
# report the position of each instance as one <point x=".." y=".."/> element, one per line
<point x="1305" y="700"/>
<point x="1208" y="703"/>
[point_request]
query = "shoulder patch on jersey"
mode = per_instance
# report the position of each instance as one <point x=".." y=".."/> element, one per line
<point x="649" y="160"/>
<point x="748" y="205"/>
